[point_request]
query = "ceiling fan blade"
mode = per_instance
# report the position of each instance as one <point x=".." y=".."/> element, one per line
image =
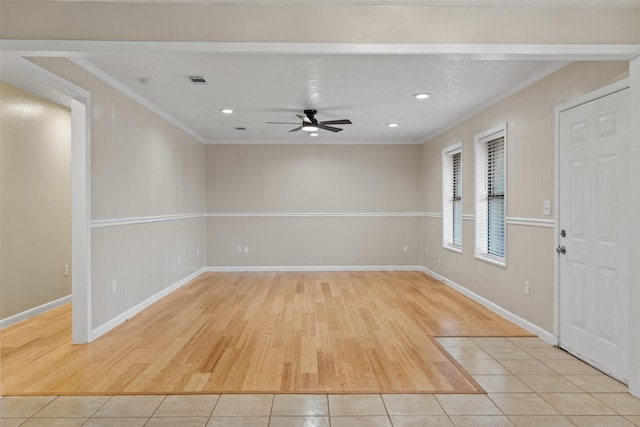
<point x="337" y="122"/>
<point x="282" y="123"/>
<point x="329" y="128"/>
<point x="296" y="129"/>
<point x="303" y="118"/>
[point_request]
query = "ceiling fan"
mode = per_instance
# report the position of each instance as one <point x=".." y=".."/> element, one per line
<point x="311" y="124"/>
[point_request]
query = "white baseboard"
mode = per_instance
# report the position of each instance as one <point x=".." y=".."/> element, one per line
<point x="523" y="323"/>
<point x="316" y="268"/>
<point x="106" y="327"/>
<point x="33" y="312"/>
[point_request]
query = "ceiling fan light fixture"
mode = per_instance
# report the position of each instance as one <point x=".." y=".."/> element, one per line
<point x="392" y="125"/>
<point x="226" y="111"/>
<point x="421" y="95"/>
<point x="311" y="124"/>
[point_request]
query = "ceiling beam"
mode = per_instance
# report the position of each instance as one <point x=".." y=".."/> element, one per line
<point x="317" y="23"/>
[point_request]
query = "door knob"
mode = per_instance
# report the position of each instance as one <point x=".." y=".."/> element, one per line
<point x="561" y="249"/>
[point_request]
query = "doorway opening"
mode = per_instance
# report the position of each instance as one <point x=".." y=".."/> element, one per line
<point x="27" y="76"/>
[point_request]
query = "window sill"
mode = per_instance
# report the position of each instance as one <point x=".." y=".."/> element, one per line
<point x="456" y="249"/>
<point x="495" y="261"/>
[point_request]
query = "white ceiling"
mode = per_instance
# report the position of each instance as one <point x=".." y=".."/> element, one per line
<point x="369" y="89"/>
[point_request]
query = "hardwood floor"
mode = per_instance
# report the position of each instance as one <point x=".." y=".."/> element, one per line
<point x="320" y="332"/>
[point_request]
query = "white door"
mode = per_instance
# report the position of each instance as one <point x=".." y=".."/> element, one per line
<point x="593" y="254"/>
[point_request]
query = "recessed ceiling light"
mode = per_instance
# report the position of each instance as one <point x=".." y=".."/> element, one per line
<point x="392" y="125"/>
<point x="310" y="128"/>
<point x="313" y="134"/>
<point x="227" y="111"/>
<point x="421" y="95"/>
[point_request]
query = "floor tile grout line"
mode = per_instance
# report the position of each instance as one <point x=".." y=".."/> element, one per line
<point x="214" y="407"/>
<point x="273" y="399"/>
<point x="386" y="410"/>
<point x="599" y="400"/>
<point x="157" y="407"/>
<point x="41" y="409"/>
<point x="97" y="410"/>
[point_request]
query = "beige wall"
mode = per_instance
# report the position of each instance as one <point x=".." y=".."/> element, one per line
<point x="378" y="182"/>
<point x="315" y="22"/>
<point x="313" y="178"/>
<point x="529" y="115"/>
<point x="141" y="167"/>
<point x="35" y="138"/>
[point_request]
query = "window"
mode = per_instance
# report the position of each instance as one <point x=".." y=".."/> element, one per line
<point x="491" y="172"/>
<point x="452" y="197"/>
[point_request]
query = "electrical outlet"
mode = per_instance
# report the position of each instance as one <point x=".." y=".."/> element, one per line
<point x="197" y="251"/>
<point x="114" y="286"/>
<point x="405" y="248"/>
<point x="239" y="249"/>
<point x="527" y="287"/>
<point x="246" y="249"/>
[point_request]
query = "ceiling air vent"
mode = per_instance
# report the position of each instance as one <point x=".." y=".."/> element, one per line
<point x="197" y="80"/>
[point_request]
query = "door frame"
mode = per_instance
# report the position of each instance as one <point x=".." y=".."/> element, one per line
<point x="48" y="85"/>
<point x="634" y="230"/>
<point x="572" y="103"/>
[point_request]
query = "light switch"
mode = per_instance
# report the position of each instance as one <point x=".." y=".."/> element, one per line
<point x="546" y="207"/>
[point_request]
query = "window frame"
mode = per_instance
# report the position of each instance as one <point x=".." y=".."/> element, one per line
<point x="448" y="202"/>
<point x="482" y="198"/>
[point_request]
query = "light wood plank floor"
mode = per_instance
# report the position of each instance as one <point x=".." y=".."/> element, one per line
<point x="320" y="332"/>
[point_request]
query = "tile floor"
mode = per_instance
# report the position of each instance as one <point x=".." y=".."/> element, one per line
<point x="528" y="383"/>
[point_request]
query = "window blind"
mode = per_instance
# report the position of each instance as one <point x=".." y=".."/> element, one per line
<point x="495" y="198"/>
<point x="456" y="184"/>
<point x="452" y="197"/>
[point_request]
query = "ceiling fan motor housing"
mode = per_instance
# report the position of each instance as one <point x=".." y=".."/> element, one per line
<point x="311" y="115"/>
